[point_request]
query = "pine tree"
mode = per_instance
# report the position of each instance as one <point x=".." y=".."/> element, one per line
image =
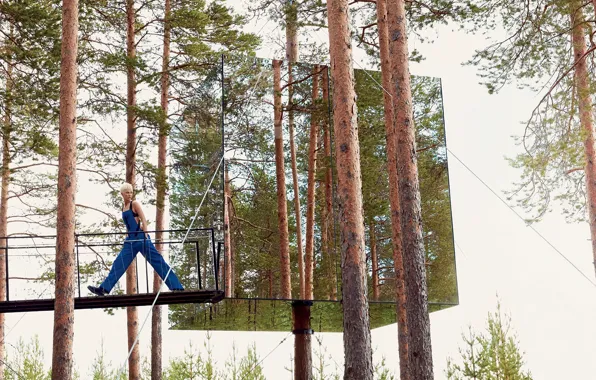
<point x="26" y="362"/>
<point x="62" y="361"/>
<point x="161" y="185"/>
<point x="282" y="209"/>
<point x="418" y="324"/>
<point x="30" y="58"/>
<point x="391" y="137"/>
<point x="491" y="355"/>
<point x="357" y="343"/>
<point x="547" y="48"/>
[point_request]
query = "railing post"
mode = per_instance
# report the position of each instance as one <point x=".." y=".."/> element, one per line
<point x="219" y="244"/>
<point x="78" y="264"/>
<point x="137" y="271"/>
<point x="198" y="263"/>
<point x="6" y="271"/>
<point x="147" y="253"/>
<point x="215" y="269"/>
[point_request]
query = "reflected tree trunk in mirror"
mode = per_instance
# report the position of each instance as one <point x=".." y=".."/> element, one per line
<point x="228" y="256"/>
<point x="327" y="234"/>
<point x="282" y="209"/>
<point x="310" y="198"/>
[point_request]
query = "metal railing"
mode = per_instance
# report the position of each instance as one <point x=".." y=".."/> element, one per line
<point x="197" y="260"/>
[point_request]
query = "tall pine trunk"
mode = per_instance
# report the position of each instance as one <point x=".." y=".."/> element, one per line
<point x="227" y="235"/>
<point x="310" y="193"/>
<point x="292" y="57"/>
<point x="156" y="337"/>
<point x="282" y="207"/>
<point x="6" y="135"/>
<point x="302" y="344"/>
<point x="418" y="322"/>
<point x="396" y="235"/>
<point x="62" y="360"/>
<point x="291" y="31"/>
<point x="357" y="341"/>
<point x="132" y="316"/>
<point x="582" y="84"/>
<point x="297" y="212"/>
<point x="328" y="220"/>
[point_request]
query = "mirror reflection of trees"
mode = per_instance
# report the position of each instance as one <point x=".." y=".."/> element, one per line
<point x="434" y="187"/>
<point x="251" y="265"/>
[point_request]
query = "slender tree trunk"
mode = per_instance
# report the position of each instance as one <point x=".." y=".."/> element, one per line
<point x="291" y="31"/>
<point x="233" y="227"/>
<point x="282" y="207"/>
<point x="357" y="343"/>
<point x="303" y="346"/>
<point x="325" y="251"/>
<point x="62" y="360"/>
<point x="391" y="138"/>
<point x="6" y="135"/>
<point x="310" y="193"/>
<point x="373" y="258"/>
<point x="585" y="114"/>
<point x="419" y="343"/>
<point x="270" y="283"/>
<point x="297" y="212"/>
<point x="292" y="57"/>
<point x="134" y="363"/>
<point x="227" y="235"/>
<point x="328" y="220"/>
<point x="156" y="337"/>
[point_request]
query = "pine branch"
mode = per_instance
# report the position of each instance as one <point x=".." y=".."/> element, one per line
<point x="432" y="10"/>
<point x="573" y="170"/>
<point x="362" y="1"/>
<point x="111" y="216"/>
<point x="428" y="147"/>
<point x="29" y="191"/>
<point x="252" y="225"/>
<point x="303" y="79"/>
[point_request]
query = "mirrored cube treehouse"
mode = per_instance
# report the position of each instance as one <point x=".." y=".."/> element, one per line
<point x="242" y="105"/>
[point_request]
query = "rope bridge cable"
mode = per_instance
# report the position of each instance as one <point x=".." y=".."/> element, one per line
<point x="522" y="219"/>
<point x="266" y="356"/>
<point x="12" y="369"/>
<point x="494" y="193"/>
<point x="170" y="270"/>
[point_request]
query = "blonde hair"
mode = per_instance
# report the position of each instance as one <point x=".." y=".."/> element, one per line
<point x="126" y="187"/>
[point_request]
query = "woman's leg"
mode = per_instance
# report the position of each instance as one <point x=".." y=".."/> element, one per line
<point x="156" y="260"/>
<point x="119" y="266"/>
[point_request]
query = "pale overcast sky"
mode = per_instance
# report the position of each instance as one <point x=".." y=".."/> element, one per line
<point x="552" y="306"/>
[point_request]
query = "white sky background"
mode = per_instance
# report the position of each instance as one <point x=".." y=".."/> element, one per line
<point x="552" y="306"/>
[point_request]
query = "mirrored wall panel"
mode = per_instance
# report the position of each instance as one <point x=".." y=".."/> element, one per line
<point x="273" y="121"/>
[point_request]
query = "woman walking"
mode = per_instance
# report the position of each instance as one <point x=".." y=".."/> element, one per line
<point x="137" y="240"/>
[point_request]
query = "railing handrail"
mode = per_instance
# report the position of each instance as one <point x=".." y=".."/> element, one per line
<point x="81" y="243"/>
<point x="102" y="233"/>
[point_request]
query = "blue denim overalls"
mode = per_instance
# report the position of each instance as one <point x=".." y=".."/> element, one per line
<point x="136" y="242"/>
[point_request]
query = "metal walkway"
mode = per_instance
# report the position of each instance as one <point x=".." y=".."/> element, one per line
<point x="95" y="302"/>
<point x="28" y="258"/>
